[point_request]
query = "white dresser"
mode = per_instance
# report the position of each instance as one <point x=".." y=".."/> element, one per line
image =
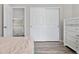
<point x="71" y="33"/>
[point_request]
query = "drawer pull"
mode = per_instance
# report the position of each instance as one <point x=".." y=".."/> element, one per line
<point x="76" y="47"/>
<point x="77" y="35"/>
<point x="76" y="40"/>
<point x="5" y="26"/>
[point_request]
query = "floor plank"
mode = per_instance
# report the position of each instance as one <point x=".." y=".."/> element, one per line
<point x="50" y="47"/>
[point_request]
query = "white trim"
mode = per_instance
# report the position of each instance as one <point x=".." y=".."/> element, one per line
<point x="25" y="24"/>
<point x="18" y="6"/>
<point x="44" y="7"/>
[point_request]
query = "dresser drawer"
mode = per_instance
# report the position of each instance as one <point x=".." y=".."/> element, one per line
<point x="77" y="47"/>
<point x="71" y="21"/>
<point x="72" y="29"/>
<point x="72" y="34"/>
<point x="72" y="45"/>
<point x="72" y="39"/>
<point x="77" y="41"/>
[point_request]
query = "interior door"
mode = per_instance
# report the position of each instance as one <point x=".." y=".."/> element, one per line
<point x="7" y="25"/>
<point x="44" y="23"/>
<point x="14" y="21"/>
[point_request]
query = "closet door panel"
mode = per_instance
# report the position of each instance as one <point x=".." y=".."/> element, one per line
<point x="44" y="24"/>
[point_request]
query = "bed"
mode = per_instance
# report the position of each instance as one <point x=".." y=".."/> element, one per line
<point x="16" y="45"/>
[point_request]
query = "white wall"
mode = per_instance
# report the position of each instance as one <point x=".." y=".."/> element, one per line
<point x="65" y="11"/>
<point x="71" y="10"/>
<point x="0" y="20"/>
<point x="75" y="10"/>
<point x="45" y="5"/>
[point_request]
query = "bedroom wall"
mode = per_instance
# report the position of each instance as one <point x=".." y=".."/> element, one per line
<point x="75" y="10"/>
<point x="0" y="20"/>
<point x="71" y="10"/>
<point x="65" y="11"/>
<point x="46" y="5"/>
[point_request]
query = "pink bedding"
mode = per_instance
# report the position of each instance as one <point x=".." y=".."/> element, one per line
<point x="16" y="45"/>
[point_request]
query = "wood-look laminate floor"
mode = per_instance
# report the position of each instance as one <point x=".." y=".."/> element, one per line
<point x="51" y="48"/>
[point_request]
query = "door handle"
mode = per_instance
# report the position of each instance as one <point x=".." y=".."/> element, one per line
<point x="31" y="26"/>
<point x="58" y="26"/>
<point x="5" y="26"/>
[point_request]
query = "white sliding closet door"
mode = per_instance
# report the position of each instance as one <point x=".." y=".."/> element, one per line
<point x="44" y="24"/>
